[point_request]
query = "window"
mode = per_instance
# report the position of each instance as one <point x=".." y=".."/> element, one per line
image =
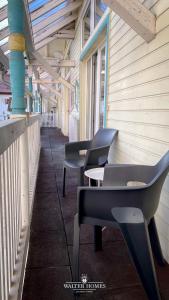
<point x="100" y="8"/>
<point x="92" y="16"/>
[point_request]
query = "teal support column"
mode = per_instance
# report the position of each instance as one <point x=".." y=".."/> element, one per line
<point x="31" y="91"/>
<point x="36" y="102"/>
<point x="16" y="60"/>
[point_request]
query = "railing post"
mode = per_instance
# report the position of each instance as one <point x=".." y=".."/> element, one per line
<point x="16" y="61"/>
<point x="24" y="178"/>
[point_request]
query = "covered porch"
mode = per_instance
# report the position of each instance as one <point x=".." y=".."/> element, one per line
<point x="49" y="263"/>
<point x="67" y="69"/>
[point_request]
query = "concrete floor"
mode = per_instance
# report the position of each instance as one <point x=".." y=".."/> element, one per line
<point x="50" y="253"/>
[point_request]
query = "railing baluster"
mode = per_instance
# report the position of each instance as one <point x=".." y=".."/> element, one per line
<point x="4" y="234"/>
<point x="19" y="157"/>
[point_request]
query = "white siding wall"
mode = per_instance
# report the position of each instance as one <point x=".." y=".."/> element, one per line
<point x="75" y="50"/>
<point x="138" y="99"/>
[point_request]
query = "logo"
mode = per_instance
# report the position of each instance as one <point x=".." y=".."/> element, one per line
<point x="84" y="286"/>
<point x="84" y="278"/>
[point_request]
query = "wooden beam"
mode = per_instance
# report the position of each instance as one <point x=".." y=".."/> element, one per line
<point x="59" y="14"/>
<point x="45" y="42"/>
<point x="68" y="75"/>
<point x="4" y="33"/>
<point x="40" y="81"/>
<point x="3" y="13"/>
<point x="55" y="28"/>
<point x="28" y="31"/>
<point x="50" y="71"/>
<point x="54" y="91"/>
<point x="4" y="47"/>
<point x="54" y="37"/>
<point x="136" y="15"/>
<point x="64" y="36"/>
<point x="45" y="95"/>
<point x="57" y="64"/>
<point x="47" y="98"/>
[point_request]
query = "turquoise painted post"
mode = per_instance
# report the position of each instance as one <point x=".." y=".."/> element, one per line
<point x="16" y="60"/>
<point x="106" y="74"/>
<point x="36" y="102"/>
<point x="31" y="91"/>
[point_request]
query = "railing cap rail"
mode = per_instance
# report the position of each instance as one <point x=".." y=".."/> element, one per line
<point x="10" y="130"/>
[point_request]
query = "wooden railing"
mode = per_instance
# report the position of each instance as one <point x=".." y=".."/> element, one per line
<point x="19" y="158"/>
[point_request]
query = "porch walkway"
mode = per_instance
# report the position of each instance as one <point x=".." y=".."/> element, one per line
<point x="49" y="261"/>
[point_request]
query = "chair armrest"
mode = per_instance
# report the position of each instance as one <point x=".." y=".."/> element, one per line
<point x="127" y="215"/>
<point x="119" y="175"/>
<point x="97" y="156"/>
<point x="72" y="149"/>
<point x="97" y="202"/>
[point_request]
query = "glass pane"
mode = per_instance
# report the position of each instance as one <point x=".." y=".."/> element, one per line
<point x="4" y="41"/>
<point x="50" y="13"/>
<point x="102" y="87"/>
<point x="3" y="3"/>
<point x="99" y="10"/>
<point x="86" y="26"/>
<point x="3" y="24"/>
<point x="37" y="4"/>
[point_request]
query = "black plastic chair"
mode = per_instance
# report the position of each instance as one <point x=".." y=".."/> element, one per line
<point x="132" y="208"/>
<point x="96" y="155"/>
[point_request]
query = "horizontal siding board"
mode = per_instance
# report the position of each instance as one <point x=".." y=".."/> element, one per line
<point x="138" y="100"/>
<point x="160" y="7"/>
<point x="160" y="102"/>
<point x="150" y="74"/>
<point x="161" y="133"/>
<point x="125" y="60"/>
<point x="154" y="58"/>
<point x="148" y="117"/>
<point x="156" y="87"/>
<point x="144" y="143"/>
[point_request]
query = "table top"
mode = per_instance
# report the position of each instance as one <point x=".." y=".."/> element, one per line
<point x="96" y="173"/>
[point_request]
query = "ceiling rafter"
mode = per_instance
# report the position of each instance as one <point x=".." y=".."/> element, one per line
<point x="50" y="71"/>
<point x="54" y="62"/>
<point x="3" y="13"/>
<point x="136" y="15"/>
<point x="54" y="91"/>
<point x="4" y="33"/>
<point x="52" y="19"/>
<point x="58" y="35"/>
<point x="55" y="28"/>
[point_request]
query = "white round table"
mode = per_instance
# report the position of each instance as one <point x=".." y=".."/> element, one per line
<point x="96" y="174"/>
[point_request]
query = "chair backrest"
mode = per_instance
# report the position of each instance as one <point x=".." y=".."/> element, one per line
<point x="162" y="165"/>
<point x="103" y="137"/>
<point x="161" y="170"/>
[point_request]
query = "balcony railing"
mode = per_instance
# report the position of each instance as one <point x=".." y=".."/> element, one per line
<point x="19" y="157"/>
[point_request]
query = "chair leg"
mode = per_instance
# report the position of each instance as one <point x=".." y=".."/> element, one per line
<point x="81" y="177"/>
<point x="137" y="239"/>
<point x="155" y="243"/>
<point x="97" y="238"/>
<point x="64" y="179"/>
<point x="76" y="244"/>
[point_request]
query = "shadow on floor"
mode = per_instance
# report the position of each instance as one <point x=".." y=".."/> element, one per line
<point x="50" y="252"/>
